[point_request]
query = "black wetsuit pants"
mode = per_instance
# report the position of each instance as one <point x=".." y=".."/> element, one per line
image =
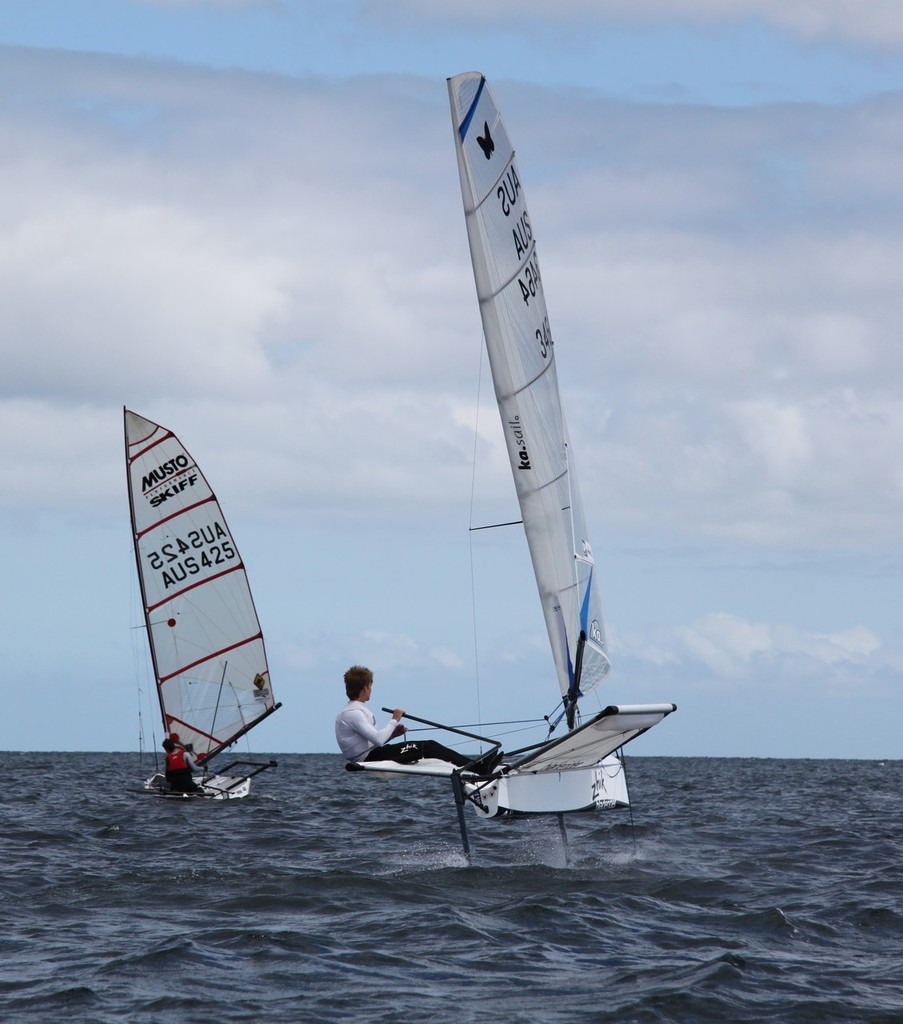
<point x="181" y="781"/>
<point x="408" y="753"/>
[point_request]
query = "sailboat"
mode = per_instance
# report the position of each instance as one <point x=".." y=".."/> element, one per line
<point x="206" y="645"/>
<point x="580" y="769"/>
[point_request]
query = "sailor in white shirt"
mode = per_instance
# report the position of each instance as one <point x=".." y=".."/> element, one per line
<point x="356" y="731"/>
<point x="359" y="739"/>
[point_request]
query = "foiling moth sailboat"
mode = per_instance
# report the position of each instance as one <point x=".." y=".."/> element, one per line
<point x="205" y="640"/>
<point x="582" y="769"/>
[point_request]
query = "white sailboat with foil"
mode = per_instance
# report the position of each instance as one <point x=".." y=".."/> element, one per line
<point x="580" y="769"/>
<point x="206" y="645"/>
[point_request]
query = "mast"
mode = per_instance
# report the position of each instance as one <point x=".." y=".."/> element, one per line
<point x="521" y="353"/>
<point x="153" y="652"/>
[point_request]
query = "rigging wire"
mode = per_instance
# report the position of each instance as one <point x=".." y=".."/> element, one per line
<point x="473" y="484"/>
<point x="142" y="676"/>
<point x="496" y="735"/>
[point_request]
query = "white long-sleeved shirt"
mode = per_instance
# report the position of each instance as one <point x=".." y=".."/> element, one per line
<point x="356" y="732"/>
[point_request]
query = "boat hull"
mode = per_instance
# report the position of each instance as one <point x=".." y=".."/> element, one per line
<point x="215" y="787"/>
<point x="599" y="787"/>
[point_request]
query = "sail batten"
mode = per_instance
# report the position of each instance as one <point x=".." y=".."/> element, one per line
<point x="142" y="452"/>
<point x="521" y="354"/>
<point x="528" y="384"/>
<point x="184" y="590"/>
<point x="209" y="657"/>
<point x="165" y="519"/>
<point x="478" y="203"/>
<point x="551" y="483"/>
<point x="205" y="640"/>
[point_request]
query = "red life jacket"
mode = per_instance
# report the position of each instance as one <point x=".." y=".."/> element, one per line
<point x="175" y="760"/>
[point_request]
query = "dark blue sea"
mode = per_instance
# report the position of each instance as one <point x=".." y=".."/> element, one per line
<point x="736" y="891"/>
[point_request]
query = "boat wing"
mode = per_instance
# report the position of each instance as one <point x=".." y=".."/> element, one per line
<point x="586" y="745"/>
<point x="431" y="767"/>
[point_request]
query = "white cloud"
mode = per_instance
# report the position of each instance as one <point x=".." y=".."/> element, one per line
<point x="879" y="23"/>
<point x="278" y="271"/>
<point x="723" y="648"/>
<point x="777" y="438"/>
<point x="391" y="654"/>
<point x="122" y="293"/>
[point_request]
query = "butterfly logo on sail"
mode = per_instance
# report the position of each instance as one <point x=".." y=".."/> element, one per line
<point x="485" y="141"/>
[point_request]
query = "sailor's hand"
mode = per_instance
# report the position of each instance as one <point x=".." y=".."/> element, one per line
<point x="399" y="731"/>
<point x="397" y="713"/>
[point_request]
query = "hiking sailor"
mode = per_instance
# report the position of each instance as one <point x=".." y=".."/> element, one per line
<point x="360" y="740"/>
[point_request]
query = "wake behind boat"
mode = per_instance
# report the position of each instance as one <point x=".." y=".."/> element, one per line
<point x="206" y="644"/>
<point x="581" y="769"/>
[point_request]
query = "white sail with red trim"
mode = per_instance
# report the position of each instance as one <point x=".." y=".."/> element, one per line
<point x="205" y="639"/>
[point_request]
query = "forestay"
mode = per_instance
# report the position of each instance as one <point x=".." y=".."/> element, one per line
<point x="522" y="361"/>
<point x="205" y="639"/>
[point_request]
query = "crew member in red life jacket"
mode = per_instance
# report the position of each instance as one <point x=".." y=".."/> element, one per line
<point x="178" y="767"/>
<point x="186" y="748"/>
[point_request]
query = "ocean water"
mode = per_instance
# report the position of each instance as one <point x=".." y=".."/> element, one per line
<point x="736" y="891"/>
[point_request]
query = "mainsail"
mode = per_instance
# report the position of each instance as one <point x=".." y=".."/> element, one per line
<point x="522" y="361"/>
<point x="206" y="644"/>
<point x="582" y="769"/>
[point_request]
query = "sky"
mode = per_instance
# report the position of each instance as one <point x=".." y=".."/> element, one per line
<point x="242" y="219"/>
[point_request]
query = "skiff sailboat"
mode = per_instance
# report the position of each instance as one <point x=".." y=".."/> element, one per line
<point x="580" y="769"/>
<point x="205" y="640"/>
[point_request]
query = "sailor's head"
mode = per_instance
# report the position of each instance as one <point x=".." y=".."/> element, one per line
<point x="357" y="679"/>
<point x="168" y="745"/>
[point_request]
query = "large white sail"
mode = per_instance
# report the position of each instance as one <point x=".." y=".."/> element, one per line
<point x="582" y="769"/>
<point x="205" y="639"/>
<point x="522" y="361"/>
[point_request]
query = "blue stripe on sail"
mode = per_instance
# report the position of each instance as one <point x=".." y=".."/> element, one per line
<point x="465" y="124"/>
<point x="584" y="610"/>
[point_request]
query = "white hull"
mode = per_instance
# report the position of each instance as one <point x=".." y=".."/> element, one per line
<point x="215" y="787"/>
<point x="587" y="789"/>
